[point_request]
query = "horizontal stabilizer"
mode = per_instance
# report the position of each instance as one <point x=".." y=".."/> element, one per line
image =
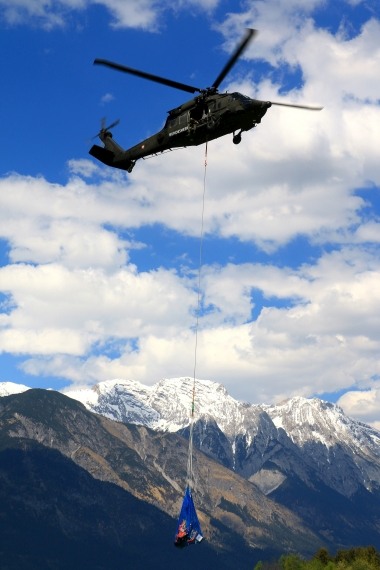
<point x="104" y="155"/>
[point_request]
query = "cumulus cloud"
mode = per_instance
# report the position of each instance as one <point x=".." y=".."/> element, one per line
<point x="144" y="14"/>
<point x="87" y="305"/>
<point x="325" y="337"/>
<point x="60" y="232"/>
<point x="76" y="307"/>
<point x="18" y="12"/>
<point x="363" y="405"/>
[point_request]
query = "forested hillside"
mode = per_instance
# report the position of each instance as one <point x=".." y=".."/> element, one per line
<point x="363" y="558"/>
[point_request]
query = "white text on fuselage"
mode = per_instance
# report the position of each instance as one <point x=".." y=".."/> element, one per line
<point x="179" y="131"/>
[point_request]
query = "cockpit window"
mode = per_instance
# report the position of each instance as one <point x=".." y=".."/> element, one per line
<point x="171" y="123"/>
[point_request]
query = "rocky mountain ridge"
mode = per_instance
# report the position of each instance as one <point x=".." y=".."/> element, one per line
<point x="238" y="521"/>
<point x="252" y="431"/>
<point x="313" y="434"/>
<point x="305" y="455"/>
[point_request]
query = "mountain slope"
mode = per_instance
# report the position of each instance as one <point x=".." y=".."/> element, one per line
<point x="306" y="454"/>
<point x="344" y="452"/>
<point x="151" y="466"/>
<point x="317" y="430"/>
<point x="55" y="515"/>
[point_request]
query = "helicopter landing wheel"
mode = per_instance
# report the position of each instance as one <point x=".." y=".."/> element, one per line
<point x="237" y="138"/>
<point x="130" y="167"/>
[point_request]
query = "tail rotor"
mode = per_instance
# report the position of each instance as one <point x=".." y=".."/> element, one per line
<point x="105" y="131"/>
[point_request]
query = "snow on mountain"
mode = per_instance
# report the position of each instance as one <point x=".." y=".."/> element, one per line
<point x="307" y="438"/>
<point x="316" y="420"/>
<point x="300" y="436"/>
<point x="345" y="453"/>
<point x="9" y="388"/>
<point x="305" y="454"/>
<point x="167" y="405"/>
<point x="123" y="401"/>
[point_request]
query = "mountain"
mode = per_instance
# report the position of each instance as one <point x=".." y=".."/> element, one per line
<point x="331" y="440"/>
<point x="79" y="490"/>
<point x="304" y="453"/>
<point x="56" y="515"/>
<point x="248" y="435"/>
<point x="166" y="405"/>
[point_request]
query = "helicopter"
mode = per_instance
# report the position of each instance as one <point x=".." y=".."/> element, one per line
<point x="208" y="116"/>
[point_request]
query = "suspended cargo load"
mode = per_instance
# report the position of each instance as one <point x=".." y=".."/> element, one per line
<point x="188" y="527"/>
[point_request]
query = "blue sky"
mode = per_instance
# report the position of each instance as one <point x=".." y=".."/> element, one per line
<point x="98" y="268"/>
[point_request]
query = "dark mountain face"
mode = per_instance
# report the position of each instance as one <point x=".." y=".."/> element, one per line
<point x="340" y="521"/>
<point x="209" y="438"/>
<point x="303" y="479"/>
<point x="80" y="491"/>
<point x="57" y="516"/>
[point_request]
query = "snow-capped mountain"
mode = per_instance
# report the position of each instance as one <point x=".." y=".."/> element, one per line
<point x="343" y="452"/>
<point x="306" y="454"/>
<point x="118" y="489"/>
<point x="313" y="420"/>
<point x="166" y="406"/>
<point x="306" y="437"/>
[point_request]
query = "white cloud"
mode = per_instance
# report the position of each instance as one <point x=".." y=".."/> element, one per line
<point x="54" y="303"/>
<point x="295" y="174"/>
<point x="350" y="64"/>
<point x="77" y="307"/>
<point x="143" y="14"/>
<point x="60" y="232"/>
<point x="130" y="14"/>
<point x="363" y="405"/>
<point x="324" y="338"/>
<point x="107" y="98"/>
<point x="45" y="13"/>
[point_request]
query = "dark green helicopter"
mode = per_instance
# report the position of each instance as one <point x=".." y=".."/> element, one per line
<point x="207" y="116"/>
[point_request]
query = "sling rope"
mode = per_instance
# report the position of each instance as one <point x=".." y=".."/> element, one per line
<point x="190" y="453"/>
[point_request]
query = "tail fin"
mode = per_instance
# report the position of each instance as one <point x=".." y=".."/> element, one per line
<point x="109" y="143"/>
<point x="111" y="148"/>
<point x="112" y="153"/>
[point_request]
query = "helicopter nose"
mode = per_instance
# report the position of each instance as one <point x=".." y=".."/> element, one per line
<point x="259" y="108"/>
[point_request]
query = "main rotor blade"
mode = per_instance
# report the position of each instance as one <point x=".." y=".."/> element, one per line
<point x="150" y="76"/>
<point x="250" y="33"/>
<point x="307" y="107"/>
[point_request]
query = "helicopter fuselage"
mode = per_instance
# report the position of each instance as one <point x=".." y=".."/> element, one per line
<point x="207" y="116"/>
<point x="197" y="121"/>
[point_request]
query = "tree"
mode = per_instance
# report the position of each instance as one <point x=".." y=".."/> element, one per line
<point x="291" y="562"/>
<point x="322" y="555"/>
